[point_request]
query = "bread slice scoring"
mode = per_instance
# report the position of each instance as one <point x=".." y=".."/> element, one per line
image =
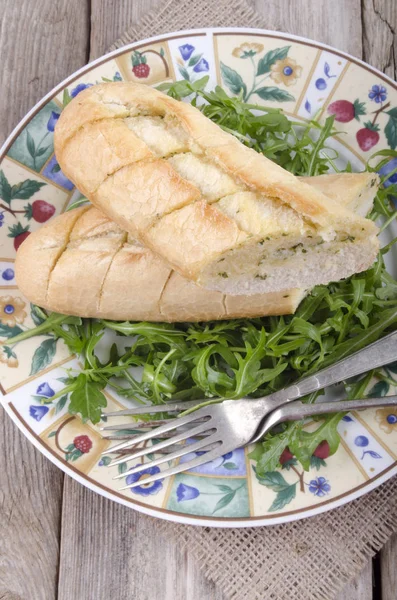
<point x="218" y="212"/>
<point x="85" y="265"/>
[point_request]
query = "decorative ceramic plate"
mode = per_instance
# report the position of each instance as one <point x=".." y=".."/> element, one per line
<point x="304" y="78"/>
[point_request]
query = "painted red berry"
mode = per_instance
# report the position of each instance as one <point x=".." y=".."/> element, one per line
<point x="20" y="238"/>
<point x="82" y="443"/>
<point x="346" y="111"/>
<point x="40" y="211"/>
<point x="142" y="71"/>
<point x="285" y="456"/>
<point x="368" y="136"/>
<point x="322" y="450"/>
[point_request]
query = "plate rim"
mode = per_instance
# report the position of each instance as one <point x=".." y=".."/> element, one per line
<point x="165" y="514"/>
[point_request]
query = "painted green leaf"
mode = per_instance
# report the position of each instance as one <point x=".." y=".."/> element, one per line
<point x="122" y="468"/>
<point x="392" y="367"/>
<point x="25" y="189"/>
<point x="43" y="355"/>
<point x="56" y="168"/>
<point x="292" y="462"/>
<point x="231" y="466"/>
<point x="52" y="434"/>
<point x="270" y="58"/>
<point x="42" y="151"/>
<point x="5" y="188"/>
<point x="184" y="73"/>
<point x="106" y="79"/>
<point x="87" y="400"/>
<point x="274" y="93"/>
<point x="317" y="463"/>
<point x="224" y="501"/>
<point x="106" y="460"/>
<point x="380" y="389"/>
<point x="162" y="51"/>
<point x="391" y="128"/>
<point x="273" y="480"/>
<point x="31" y="146"/>
<point x="233" y="80"/>
<point x="61" y="404"/>
<point x="283" y="497"/>
<point x="9" y="332"/>
<point x="224" y="488"/>
<point x="194" y="60"/>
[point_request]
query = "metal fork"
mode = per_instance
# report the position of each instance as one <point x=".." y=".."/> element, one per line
<point x="232" y="424"/>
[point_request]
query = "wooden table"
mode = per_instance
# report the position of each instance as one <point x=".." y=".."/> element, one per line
<point x="58" y="539"/>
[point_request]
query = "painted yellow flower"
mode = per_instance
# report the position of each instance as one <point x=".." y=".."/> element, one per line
<point x="285" y="71"/>
<point x="387" y="419"/>
<point x="246" y="50"/>
<point x="11" y="310"/>
<point x="8" y="357"/>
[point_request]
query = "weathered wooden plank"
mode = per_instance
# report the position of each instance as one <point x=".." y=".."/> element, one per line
<point x="388" y="566"/>
<point x="41" y="43"/>
<point x="336" y="23"/>
<point x="30" y="509"/>
<point x="110" y="551"/>
<point x="111" y="18"/>
<point x="360" y="588"/>
<point x="380" y="35"/>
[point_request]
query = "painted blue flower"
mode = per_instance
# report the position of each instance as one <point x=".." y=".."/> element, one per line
<point x="186" y="492"/>
<point x="117" y="76"/>
<point x="101" y="463"/>
<point x="377" y="93"/>
<point x="391" y="419"/>
<point x="52" y="121"/>
<point x="8" y="274"/>
<point x="38" y="412"/>
<point x="319" y="486"/>
<point x="148" y="488"/>
<point x="186" y="51"/>
<point x="45" y="390"/>
<point x="1" y="219"/>
<point x="386" y="169"/>
<point x="201" y="66"/>
<point x="347" y="419"/>
<point x="79" y="88"/>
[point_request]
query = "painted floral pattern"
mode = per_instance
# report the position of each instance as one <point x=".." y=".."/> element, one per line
<point x="191" y="64"/>
<point x="145" y="489"/>
<point x="275" y="65"/>
<point x="285" y="491"/>
<point x="139" y="64"/>
<point x="368" y="135"/>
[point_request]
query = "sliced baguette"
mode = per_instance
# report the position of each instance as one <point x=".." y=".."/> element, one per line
<point x="218" y="212"/>
<point x="85" y="265"/>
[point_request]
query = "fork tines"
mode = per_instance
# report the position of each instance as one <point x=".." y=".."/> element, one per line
<point x="191" y="426"/>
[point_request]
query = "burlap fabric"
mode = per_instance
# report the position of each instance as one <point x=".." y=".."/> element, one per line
<point x="304" y="560"/>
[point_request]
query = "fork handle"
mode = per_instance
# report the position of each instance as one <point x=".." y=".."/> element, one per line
<point x="301" y="411"/>
<point x="295" y="411"/>
<point x="375" y="355"/>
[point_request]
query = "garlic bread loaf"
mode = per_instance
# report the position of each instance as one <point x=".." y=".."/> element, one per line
<point x="85" y="265"/>
<point x="217" y="212"/>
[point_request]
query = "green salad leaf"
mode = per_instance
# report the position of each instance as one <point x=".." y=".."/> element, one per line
<point x="241" y="357"/>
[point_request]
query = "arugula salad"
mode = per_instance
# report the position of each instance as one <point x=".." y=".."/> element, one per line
<point x="152" y="363"/>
